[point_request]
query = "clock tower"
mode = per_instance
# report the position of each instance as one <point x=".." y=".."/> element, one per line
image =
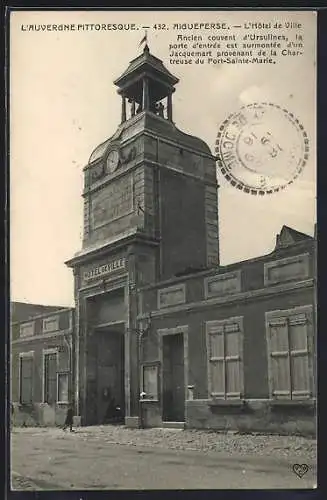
<point x="150" y="213"/>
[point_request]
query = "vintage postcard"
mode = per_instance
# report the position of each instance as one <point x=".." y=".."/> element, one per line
<point x="163" y="249"/>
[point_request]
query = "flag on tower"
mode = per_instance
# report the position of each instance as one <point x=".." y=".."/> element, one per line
<point x="144" y="39"/>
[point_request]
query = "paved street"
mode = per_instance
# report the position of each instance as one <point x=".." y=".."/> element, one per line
<point x="106" y="457"/>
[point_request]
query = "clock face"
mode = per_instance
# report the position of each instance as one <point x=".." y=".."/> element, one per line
<point x="112" y="160"/>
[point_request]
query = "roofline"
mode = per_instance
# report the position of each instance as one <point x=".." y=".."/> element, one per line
<point x="296" y="231"/>
<point x="226" y="268"/>
<point x="44" y="315"/>
<point x="36" y="305"/>
<point x="174" y="80"/>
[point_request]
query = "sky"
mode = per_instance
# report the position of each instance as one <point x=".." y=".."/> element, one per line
<point x="63" y="104"/>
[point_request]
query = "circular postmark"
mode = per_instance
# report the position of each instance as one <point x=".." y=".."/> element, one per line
<point x="262" y="148"/>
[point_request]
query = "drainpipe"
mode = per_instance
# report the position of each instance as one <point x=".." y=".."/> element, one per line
<point x="69" y="344"/>
<point x="139" y="342"/>
<point x="315" y="293"/>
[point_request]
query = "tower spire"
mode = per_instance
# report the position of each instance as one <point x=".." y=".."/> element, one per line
<point x="145" y="41"/>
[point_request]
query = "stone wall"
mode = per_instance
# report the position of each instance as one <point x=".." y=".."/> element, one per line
<point x="182" y="225"/>
<point x="238" y="290"/>
<point x="253" y="416"/>
<point x="251" y="277"/>
<point x="51" y="331"/>
<point x="39" y="414"/>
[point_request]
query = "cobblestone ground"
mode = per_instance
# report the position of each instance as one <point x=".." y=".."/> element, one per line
<point x="110" y="457"/>
<point x="22" y="483"/>
<point x="198" y="440"/>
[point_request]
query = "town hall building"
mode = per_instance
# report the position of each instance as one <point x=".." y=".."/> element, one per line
<point x="159" y="325"/>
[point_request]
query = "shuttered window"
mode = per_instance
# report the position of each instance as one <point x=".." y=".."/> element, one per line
<point x="289" y="353"/>
<point x="225" y="363"/>
<point x="26" y="379"/>
<point x="50" y="378"/>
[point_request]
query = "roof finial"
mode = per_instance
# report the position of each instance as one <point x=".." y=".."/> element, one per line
<point x="145" y="40"/>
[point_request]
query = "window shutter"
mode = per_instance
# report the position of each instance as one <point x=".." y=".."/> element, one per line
<point x="232" y="360"/>
<point x="26" y="380"/>
<point x="280" y="383"/>
<point x="63" y="359"/>
<point x="217" y="362"/>
<point x="217" y="378"/>
<point x="217" y="344"/>
<point x="51" y="378"/>
<point x="298" y="334"/>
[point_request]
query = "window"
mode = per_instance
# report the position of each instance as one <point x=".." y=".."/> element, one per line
<point x="50" y="377"/>
<point x="26" y="378"/>
<point x="63" y="386"/>
<point x="225" y="363"/>
<point x="150" y="382"/>
<point x="289" y="337"/>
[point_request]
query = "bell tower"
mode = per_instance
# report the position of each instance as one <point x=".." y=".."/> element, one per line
<point x="145" y="84"/>
<point x="150" y="214"/>
<point x="153" y="181"/>
<point x="179" y="206"/>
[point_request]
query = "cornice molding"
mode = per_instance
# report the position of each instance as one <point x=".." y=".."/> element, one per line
<point x="261" y="293"/>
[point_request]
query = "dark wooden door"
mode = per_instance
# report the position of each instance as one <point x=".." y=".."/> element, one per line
<point x="110" y="372"/>
<point x="173" y="378"/>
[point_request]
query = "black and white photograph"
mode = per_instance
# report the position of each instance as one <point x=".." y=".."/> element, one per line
<point x="163" y="249"/>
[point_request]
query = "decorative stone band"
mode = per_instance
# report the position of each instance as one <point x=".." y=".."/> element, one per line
<point x="43" y="336"/>
<point x="261" y="293"/>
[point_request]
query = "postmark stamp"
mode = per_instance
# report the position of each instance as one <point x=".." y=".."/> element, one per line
<point x="262" y="148"/>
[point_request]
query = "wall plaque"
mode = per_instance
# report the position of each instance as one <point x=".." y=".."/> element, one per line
<point x="50" y="324"/>
<point x="222" y="284"/>
<point x="290" y="268"/>
<point x="112" y="202"/>
<point x="105" y="269"/>
<point x="27" y="329"/>
<point x="171" y="296"/>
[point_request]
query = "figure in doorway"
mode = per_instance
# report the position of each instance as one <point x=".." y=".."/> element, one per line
<point x="132" y="103"/>
<point x="139" y="109"/>
<point x="114" y="414"/>
<point x="69" y="419"/>
<point x="160" y="109"/>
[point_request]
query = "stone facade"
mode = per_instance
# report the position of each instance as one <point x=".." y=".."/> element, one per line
<point x="159" y="326"/>
<point x="32" y="340"/>
<point x="150" y="193"/>
<point x="249" y="297"/>
<point x="151" y="201"/>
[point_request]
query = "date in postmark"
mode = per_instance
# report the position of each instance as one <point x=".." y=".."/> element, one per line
<point x="262" y="148"/>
